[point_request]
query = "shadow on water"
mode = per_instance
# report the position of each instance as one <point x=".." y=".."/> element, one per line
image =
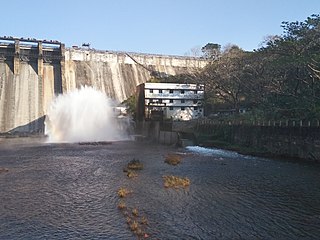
<point x="69" y="191"/>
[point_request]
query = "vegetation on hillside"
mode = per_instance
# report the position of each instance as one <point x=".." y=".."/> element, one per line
<point x="279" y="80"/>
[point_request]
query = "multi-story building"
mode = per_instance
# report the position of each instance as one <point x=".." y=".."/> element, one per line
<point x="170" y="101"/>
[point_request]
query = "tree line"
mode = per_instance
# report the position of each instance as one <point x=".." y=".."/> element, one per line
<point x="279" y="80"/>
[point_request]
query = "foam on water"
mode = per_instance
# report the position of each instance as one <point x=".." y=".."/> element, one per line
<point x="212" y="151"/>
<point x="84" y="114"/>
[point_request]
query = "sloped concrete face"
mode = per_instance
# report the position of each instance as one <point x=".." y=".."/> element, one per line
<point x="117" y="73"/>
<point x="26" y="94"/>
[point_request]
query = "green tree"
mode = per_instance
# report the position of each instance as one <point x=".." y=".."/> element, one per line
<point x="211" y="51"/>
<point x="280" y="79"/>
<point x="131" y="105"/>
<point x="223" y="78"/>
<point x="292" y="68"/>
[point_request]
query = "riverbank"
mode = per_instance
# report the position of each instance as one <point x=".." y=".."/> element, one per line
<point x="299" y="143"/>
<point x="250" y="151"/>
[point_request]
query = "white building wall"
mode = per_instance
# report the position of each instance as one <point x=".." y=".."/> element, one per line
<point x="177" y="101"/>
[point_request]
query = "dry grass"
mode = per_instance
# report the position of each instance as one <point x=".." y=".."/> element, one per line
<point x="175" y="182"/>
<point x="137" y="224"/>
<point x="122" y="205"/>
<point x="144" y="221"/>
<point x="135" y="212"/>
<point x="3" y="170"/>
<point x="134" y="226"/>
<point x="132" y="174"/>
<point x="173" y="159"/>
<point x="135" y="164"/>
<point x="123" y="192"/>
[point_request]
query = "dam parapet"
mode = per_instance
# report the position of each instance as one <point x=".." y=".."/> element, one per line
<point x="30" y="50"/>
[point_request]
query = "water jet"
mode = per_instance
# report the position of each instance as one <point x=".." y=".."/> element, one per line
<point x="85" y="115"/>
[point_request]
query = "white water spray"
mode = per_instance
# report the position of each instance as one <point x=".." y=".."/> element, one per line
<point x="83" y="115"/>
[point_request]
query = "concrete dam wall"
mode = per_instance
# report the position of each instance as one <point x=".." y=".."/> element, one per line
<point x="24" y="97"/>
<point x="118" y="73"/>
<point x="32" y="72"/>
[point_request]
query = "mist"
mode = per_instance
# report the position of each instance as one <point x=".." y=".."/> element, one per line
<point x="84" y="114"/>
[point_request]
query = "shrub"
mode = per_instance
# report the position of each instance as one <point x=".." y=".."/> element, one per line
<point x="173" y="159"/>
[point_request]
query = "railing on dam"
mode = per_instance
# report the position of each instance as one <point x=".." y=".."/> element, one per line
<point x="30" y="40"/>
<point x="261" y="123"/>
<point x="137" y="53"/>
<point x="30" y="49"/>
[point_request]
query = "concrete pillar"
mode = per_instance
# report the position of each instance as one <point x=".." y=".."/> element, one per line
<point x="40" y="59"/>
<point x="62" y="66"/>
<point x="40" y="79"/>
<point x="16" y="58"/>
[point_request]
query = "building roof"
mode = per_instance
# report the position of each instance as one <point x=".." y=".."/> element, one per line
<point x="174" y="86"/>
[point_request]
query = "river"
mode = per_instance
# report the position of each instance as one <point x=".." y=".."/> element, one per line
<point x="69" y="191"/>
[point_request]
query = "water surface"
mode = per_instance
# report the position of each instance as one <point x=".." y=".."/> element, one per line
<point x="69" y="191"/>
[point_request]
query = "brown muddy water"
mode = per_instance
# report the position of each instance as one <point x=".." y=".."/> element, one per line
<point x="69" y="191"/>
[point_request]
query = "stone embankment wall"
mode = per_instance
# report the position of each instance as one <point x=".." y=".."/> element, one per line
<point x="156" y="131"/>
<point x="278" y="141"/>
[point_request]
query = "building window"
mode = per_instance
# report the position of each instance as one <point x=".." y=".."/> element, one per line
<point x="183" y="101"/>
<point x="171" y="100"/>
<point x="160" y="101"/>
<point x="160" y="90"/>
<point x="151" y="90"/>
<point x="170" y="108"/>
<point x="195" y="108"/>
<point x="182" y="91"/>
<point x="195" y="101"/>
<point x="170" y="91"/>
<point x="183" y="108"/>
<point x="195" y="91"/>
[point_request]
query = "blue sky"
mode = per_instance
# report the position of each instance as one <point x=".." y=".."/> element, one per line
<point x="152" y="26"/>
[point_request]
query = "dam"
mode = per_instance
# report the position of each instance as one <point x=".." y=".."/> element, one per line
<point x="33" y="72"/>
